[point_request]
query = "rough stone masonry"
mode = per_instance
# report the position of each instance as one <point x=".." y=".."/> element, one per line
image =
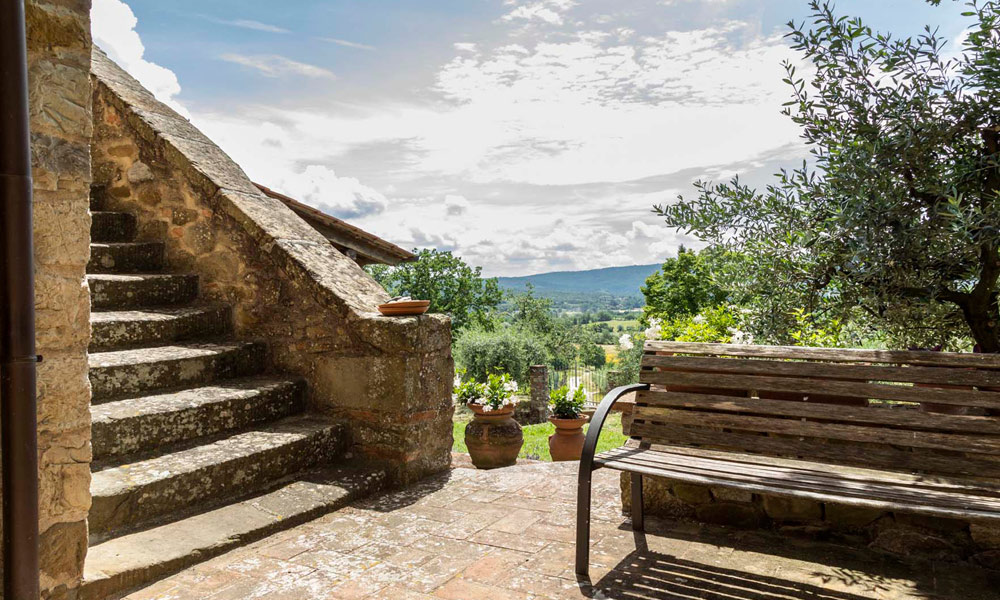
<point x="60" y="107"/>
<point x="388" y="378"/>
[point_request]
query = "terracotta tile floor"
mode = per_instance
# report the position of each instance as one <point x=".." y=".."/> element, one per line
<point x="508" y="534"/>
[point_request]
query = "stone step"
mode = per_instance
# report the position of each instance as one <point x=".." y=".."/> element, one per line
<point x="125" y="563"/>
<point x="98" y="193"/>
<point x="110" y="291"/>
<point x="131" y="425"/>
<point x="121" y="373"/>
<point x="126" y="257"/>
<point x="126" y="496"/>
<point x="107" y="226"/>
<point x="131" y="328"/>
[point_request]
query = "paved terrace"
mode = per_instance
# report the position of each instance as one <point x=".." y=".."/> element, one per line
<point x="507" y="534"/>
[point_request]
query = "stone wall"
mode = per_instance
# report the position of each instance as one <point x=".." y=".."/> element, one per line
<point x="903" y="535"/>
<point x="906" y="536"/>
<point x="390" y="378"/>
<point x="60" y="108"/>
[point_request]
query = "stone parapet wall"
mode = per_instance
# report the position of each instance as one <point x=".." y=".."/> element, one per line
<point x="58" y="43"/>
<point x="389" y="378"/>
<point x="907" y="536"/>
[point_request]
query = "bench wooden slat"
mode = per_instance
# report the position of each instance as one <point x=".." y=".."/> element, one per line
<point x="900" y="357"/>
<point x="942" y="492"/>
<point x="852" y="372"/>
<point x="728" y="474"/>
<point x="899" y="393"/>
<point x="975" y="485"/>
<point x="873" y="455"/>
<point x="902" y="417"/>
<point x="795" y="480"/>
<point x="834" y="431"/>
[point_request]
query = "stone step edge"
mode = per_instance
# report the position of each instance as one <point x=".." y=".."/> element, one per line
<point x="215" y="353"/>
<point x="261" y="389"/>
<point x="126" y="563"/>
<point x="178" y="324"/>
<point x="197" y="475"/>
<point x="157" y="290"/>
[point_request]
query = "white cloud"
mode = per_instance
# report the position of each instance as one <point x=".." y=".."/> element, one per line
<point x="548" y="11"/>
<point x="455" y="205"/>
<point x="563" y="136"/>
<point x="273" y="65"/>
<point x="348" y="44"/>
<point x="113" y="28"/>
<point x="595" y="107"/>
<point x="249" y="24"/>
<point x="344" y="197"/>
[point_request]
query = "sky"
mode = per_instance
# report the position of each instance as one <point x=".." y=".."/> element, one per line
<point x="523" y="135"/>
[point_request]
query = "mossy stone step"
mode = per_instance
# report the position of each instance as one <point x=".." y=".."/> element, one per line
<point x="122" y="564"/>
<point x="136" y="424"/>
<point x="108" y="226"/>
<point x="130" y="328"/>
<point x="122" y="373"/>
<point x="126" y="496"/>
<point x="126" y="257"/>
<point x="120" y="291"/>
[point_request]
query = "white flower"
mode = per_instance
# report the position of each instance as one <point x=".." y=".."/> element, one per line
<point x="654" y="332"/>
<point x="458" y="380"/>
<point x="510" y="386"/>
<point x="740" y="337"/>
<point x="625" y="342"/>
<point x="699" y="320"/>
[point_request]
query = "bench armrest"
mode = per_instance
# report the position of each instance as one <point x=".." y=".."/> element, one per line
<point x="597" y="422"/>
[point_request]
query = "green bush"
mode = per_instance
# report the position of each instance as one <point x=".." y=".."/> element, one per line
<point x="508" y="350"/>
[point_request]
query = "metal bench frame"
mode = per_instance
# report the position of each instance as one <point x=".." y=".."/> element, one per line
<point x="587" y="468"/>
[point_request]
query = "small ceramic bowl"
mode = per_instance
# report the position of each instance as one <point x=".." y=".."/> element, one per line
<point x="408" y="307"/>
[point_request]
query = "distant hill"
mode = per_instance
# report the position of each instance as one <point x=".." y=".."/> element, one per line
<point x="613" y="281"/>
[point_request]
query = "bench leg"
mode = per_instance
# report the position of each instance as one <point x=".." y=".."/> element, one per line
<point x="583" y="527"/>
<point x="638" y="520"/>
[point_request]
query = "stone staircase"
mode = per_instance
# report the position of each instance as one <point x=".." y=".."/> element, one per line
<point x="197" y="447"/>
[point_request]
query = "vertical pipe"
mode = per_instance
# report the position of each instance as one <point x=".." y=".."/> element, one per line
<point x="18" y="430"/>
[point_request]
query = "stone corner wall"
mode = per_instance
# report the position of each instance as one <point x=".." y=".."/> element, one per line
<point x="388" y="378"/>
<point x="59" y="46"/>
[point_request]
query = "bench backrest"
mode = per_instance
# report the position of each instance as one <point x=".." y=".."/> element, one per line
<point x="868" y="408"/>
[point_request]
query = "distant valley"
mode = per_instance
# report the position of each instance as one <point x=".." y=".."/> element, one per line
<point x="612" y="288"/>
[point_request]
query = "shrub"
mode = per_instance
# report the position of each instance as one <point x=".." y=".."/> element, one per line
<point x="509" y="350"/>
<point x="592" y="355"/>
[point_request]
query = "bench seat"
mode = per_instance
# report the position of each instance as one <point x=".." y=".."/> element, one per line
<point x="937" y="496"/>
<point x="897" y="431"/>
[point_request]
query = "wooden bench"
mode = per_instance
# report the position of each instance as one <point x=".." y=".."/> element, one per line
<point x="865" y="428"/>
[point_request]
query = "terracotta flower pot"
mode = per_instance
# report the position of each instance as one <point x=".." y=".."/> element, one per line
<point x="567" y="442"/>
<point x="494" y="438"/>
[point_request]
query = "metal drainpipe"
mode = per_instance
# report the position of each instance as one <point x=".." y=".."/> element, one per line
<point x="18" y="420"/>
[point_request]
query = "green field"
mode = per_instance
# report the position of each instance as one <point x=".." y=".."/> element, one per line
<point x="536" y="437"/>
<point x="630" y="325"/>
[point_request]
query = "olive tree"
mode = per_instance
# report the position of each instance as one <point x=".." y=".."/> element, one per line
<point x="895" y="216"/>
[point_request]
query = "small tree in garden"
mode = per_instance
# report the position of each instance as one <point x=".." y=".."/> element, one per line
<point x="451" y="285"/>
<point x="897" y="219"/>
<point x="683" y="286"/>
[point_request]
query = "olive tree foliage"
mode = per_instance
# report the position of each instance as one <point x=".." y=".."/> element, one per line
<point x="895" y="219"/>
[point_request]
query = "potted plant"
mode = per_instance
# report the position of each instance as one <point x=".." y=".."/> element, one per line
<point x="567" y="415"/>
<point x="493" y="437"/>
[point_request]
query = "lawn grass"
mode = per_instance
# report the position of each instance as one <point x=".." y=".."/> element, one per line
<point x="536" y="437"/>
